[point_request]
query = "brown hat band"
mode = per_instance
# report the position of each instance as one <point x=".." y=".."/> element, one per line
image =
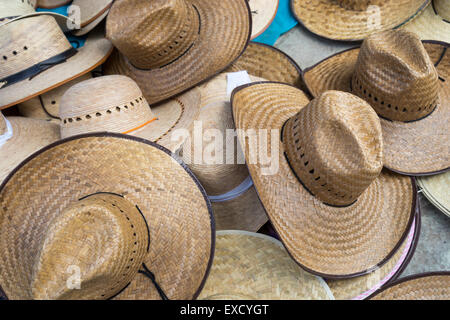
<point x="138" y="127"/>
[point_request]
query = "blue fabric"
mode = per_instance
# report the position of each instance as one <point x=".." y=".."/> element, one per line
<point x="283" y="22"/>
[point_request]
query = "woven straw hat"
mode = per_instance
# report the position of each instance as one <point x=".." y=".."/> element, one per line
<point x="251" y="266"/>
<point x="142" y="212"/>
<point x="437" y="190"/>
<point x="263" y="13"/>
<point x="20" y="137"/>
<point x="181" y="43"/>
<point x="50" y="4"/>
<point x="92" y="12"/>
<point x="354" y="20"/>
<point x="433" y="23"/>
<point x="116" y="104"/>
<point x="426" y="286"/>
<point x="338" y="214"/>
<point x="406" y="85"/>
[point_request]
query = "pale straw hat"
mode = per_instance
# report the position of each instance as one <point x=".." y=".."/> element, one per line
<point x="433" y="23"/>
<point x="406" y="82"/>
<point x="116" y="104"/>
<point x="337" y="213"/>
<point x="92" y="12"/>
<point x="252" y="266"/>
<point x="437" y="190"/>
<point x="119" y="211"/>
<point x="263" y="14"/>
<point x="354" y="20"/>
<point x="426" y="286"/>
<point x="181" y="43"/>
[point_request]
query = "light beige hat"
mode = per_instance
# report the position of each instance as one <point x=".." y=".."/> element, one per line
<point x="92" y="12"/>
<point x="433" y="23"/>
<point x="119" y="212"/>
<point x="263" y="13"/>
<point x="116" y="104"/>
<point x="50" y="4"/>
<point x="252" y="266"/>
<point x="406" y="82"/>
<point x="337" y="212"/>
<point x="437" y="190"/>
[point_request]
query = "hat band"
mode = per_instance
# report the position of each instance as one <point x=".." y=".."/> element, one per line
<point x="139" y="127"/>
<point x="8" y="134"/>
<point x="235" y="193"/>
<point x="36" y="69"/>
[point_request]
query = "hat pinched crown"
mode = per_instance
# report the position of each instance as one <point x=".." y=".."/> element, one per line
<point x="334" y="145"/>
<point x="359" y="5"/>
<point x="396" y="76"/>
<point x="152" y="34"/>
<point x="92" y="250"/>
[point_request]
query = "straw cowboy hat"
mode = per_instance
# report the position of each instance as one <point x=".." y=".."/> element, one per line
<point x="116" y="104"/>
<point x="263" y="13"/>
<point x="437" y="190"/>
<point x="252" y="266"/>
<point x="28" y="70"/>
<point x="354" y="20"/>
<point x="20" y="137"/>
<point x="406" y="82"/>
<point x="187" y="42"/>
<point x="121" y="214"/>
<point x="426" y="286"/>
<point x="91" y="12"/>
<point x="337" y="213"/>
<point x="433" y="23"/>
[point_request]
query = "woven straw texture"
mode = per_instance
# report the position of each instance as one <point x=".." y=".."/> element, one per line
<point x="422" y="287"/>
<point x="50" y="4"/>
<point x="354" y="20"/>
<point x="414" y="148"/>
<point x="166" y="46"/>
<point x="437" y="189"/>
<point x="171" y="200"/>
<point x="254" y="266"/>
<point x="327" y="240"/>
<point x="431" y="23"/>
<point x="263" y="13"/>
<point x="34" y="34"/>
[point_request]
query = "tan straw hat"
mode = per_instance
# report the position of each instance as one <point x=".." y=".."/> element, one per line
<point x="354" y="20"/>
<point x="338" y="214"/>
<point x="263" y="13"/>
<point x="116" y="104"/>
<point x="426" y="286"/>
<point x="20" y="137"/>
<point x="50" y="4"/>
<point x="437" y="190"/>
<point x="92" y="12"/>
<point x="433" y="23"/>
<point x="104" y="215"/>
<point x="406" y="82"/>
<point x="252" y="266"/>
<point x="169" y="46"/>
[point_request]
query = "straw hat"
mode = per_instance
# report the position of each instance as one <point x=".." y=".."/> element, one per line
<point x="116" y="104"/>
<point x="407" y="88"/>
<point x="437" y="190"/>
<point x="20" y="137"/>
<point x="263" y="13"/>
<point x="433" y="23"/>
<point x="338" y="214"/>
<point x="50" y="4"/>
<point x="354" y="20"/>
<point x="426" y="286"/>
<point x="252" y="266"/>
<point x="116" y="210"/>
<point x="185" y="42"/>
<point x="92" y="12"/>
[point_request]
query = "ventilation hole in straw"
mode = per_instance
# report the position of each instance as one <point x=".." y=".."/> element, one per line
<point x="15" y="52"/>
<point x="25" y="48"/>
<point x="306" y="163"/>
<point x="98" y="114"/>
<point x="311" y="171"/>
<point x="5" y="58"/>
<point x="317" y="179"/>
<point x="53" y="102"/>
<point x="88" y="117"/>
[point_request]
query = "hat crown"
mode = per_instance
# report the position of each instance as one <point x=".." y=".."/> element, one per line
<point x="396" y="76"/>
<point x="334" y="145"/>
<point x="152" y="34"/>
<point x="110" y="103"/>
<point x="92" y="250"/>
<point x="359" y="5"/>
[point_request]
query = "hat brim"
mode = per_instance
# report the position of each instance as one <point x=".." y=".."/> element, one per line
<point x="224" y="35"/>
<point x="329" y="20"/>
<point x="95" y="51"/>
<point x="92" y="10"/>
<point x="176" y="208"/>
<point x="254" y="266"/>
<point x="263" y="14"/>
<point x="328" y="241"/>
<point x="89" y="27"/>
<point x="435" y="188"/>
<point x="412" y="148"/>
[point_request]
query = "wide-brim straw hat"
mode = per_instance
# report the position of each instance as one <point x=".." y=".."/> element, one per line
<point x="263" y="14"/>
<point x="431" y="24"/>
<point x="437" y="190"/>
<point x="252" y="266"/>
<point x="175" y="207"/>
<point x="91" y="14"/>
<point x="426" y="286"/>
<point x="417" y="148"/>
<point x="354" y="20"/>
<point x="216" y="35"/>
<point x="116" y="104"/>
<point x="333" y="241"/>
